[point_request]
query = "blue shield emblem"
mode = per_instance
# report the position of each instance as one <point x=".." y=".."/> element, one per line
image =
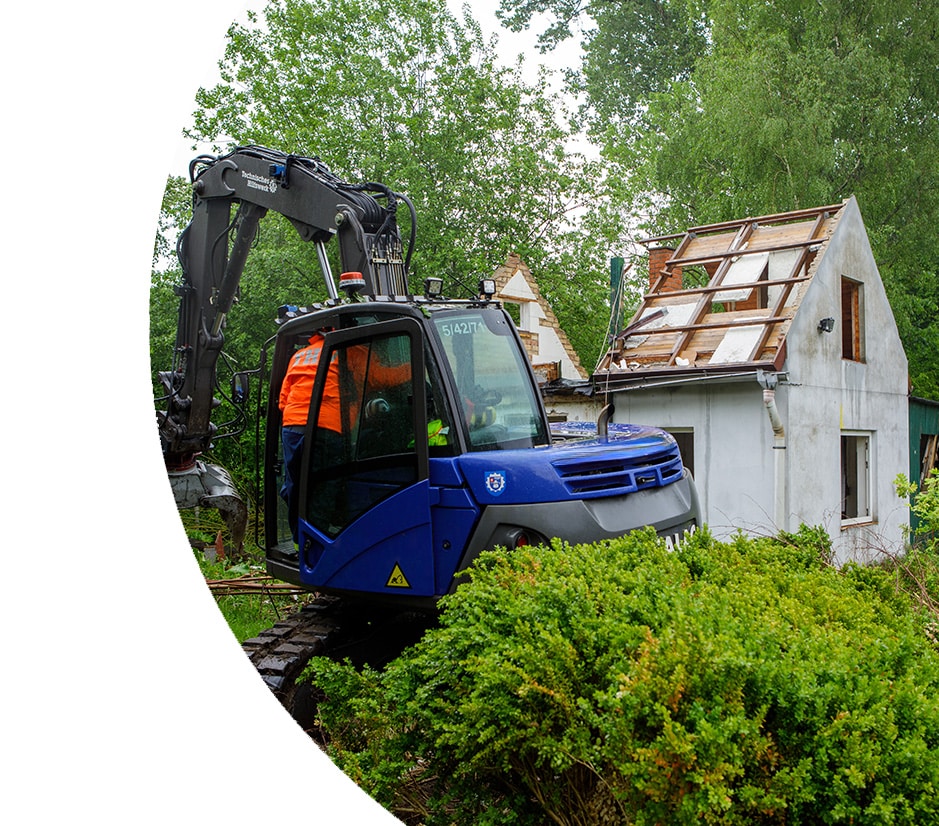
<point x="495" y="482"/>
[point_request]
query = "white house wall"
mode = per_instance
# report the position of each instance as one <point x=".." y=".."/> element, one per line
<point x="828" y="395"/>
<point x="733" y="447"/>
<point x="573" y="408"/>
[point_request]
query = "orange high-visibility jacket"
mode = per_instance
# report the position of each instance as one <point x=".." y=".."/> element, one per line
<point x="297" y="387"/>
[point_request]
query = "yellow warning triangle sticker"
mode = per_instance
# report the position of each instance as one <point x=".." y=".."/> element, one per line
<point x="397" y="578"/>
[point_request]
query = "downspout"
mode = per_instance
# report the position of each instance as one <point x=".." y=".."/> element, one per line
<point x="768" y="382"/>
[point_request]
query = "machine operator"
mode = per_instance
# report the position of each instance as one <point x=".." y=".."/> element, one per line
<point x="294" y="403"/>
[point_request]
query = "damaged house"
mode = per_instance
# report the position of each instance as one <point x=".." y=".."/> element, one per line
<point x="549" y="350"/>
<point x="768" y="348"/>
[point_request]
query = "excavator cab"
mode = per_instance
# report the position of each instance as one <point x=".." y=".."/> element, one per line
<point x="401" y="392"/>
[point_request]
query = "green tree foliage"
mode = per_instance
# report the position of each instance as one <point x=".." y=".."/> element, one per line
<point x="926" y="506"/>
<point x="410" y="96"/>
<point x="739" y="682"/>
<point x="406" y="94"/>
<point x="718" y="109"/>
<point x="917" y="569"/>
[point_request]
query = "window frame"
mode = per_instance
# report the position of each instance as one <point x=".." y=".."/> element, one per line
<point x="857" y="462"/>
<point x="852" y="320"/>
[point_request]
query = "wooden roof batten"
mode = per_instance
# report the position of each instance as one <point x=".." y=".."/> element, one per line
<point x="745" y="231"/>
<point x="777" y="218"/>
<point x="802" y="232"/>
<point x="801" y="262"/>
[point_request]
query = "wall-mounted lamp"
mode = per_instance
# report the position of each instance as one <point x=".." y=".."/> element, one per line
<point x="826" y="325"/>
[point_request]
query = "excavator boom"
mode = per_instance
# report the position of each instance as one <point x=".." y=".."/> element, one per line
<point x="231" y="195"/>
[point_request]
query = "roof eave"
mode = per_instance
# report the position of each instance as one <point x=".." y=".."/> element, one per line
<point x="641" y="378"/>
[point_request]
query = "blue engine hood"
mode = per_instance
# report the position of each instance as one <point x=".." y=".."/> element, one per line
<point x="632" y="458"/>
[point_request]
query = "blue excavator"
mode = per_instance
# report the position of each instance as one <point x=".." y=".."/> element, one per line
<point x="424" y="474"/>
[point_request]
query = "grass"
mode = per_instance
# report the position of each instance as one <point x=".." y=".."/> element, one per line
<point x="247" y="614"/>
<point x="250" y="613"/>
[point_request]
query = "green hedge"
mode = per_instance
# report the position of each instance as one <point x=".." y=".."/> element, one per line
<point x="740" y="682"/>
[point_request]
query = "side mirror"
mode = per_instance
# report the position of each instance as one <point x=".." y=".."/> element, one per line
<point x="239" y="389"/>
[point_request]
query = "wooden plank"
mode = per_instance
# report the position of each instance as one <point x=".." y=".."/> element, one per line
<point x="704" y="246"/>
<point x="786" y="234"/>
<point x="704" y="302"/>
<point x="678" y="295"/>
<point x="776" y="218"/>
<point x="929" y="458"/>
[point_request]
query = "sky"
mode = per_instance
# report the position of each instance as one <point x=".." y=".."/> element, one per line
<point x="127" y="700"/>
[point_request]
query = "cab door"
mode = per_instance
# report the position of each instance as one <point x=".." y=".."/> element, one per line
<point x="364" y="512"/>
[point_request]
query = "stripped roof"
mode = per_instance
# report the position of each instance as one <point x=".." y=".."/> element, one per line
<point x="721" y="297"/>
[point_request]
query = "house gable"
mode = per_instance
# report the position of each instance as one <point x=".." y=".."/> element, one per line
<point x="548" y="347"/>
<point x="768" y="345"/>
<point x="844" y="334"/>
<point x="846" y="398"/>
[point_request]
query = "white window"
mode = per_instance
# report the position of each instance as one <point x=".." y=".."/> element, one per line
<point x="856" y="493"/>
<point x="527" y="316"/>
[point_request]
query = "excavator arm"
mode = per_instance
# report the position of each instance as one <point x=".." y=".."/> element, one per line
<point x="213" y="250"/>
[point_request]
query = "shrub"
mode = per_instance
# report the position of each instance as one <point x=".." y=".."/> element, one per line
<point x="926" y="505"/>
<point x="917" y="569"/>
<point x="738" y="682"/>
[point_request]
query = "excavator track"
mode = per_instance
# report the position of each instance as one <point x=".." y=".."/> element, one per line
<point x="281" y="653"/>
<point x="328" y="627"/>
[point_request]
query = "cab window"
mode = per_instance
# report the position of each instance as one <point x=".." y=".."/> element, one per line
<point x="363" y="447"/>
<point x="499" y="405"/>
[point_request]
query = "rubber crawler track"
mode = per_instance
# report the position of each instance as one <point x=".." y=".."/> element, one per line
<point x="281" y="653"/>
<point x="327" y="628"/>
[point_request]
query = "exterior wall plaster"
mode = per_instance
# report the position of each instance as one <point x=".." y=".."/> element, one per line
<point x="733" y="447"/>
<point x="820" y="395"/>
